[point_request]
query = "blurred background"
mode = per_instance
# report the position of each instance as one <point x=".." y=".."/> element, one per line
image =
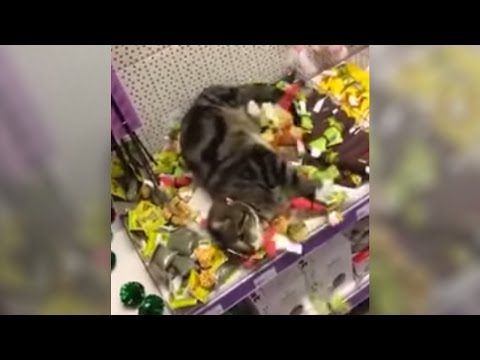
<point x="54" y="171"/>
<point x="425" y="208"/>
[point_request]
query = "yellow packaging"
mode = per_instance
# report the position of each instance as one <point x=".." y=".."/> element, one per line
<point x="117" y="190"/>
<point x="150" y="246"/>
<point x="364" y="104"/>
<point x="320" y="306"/>
<point x="339" y="305"/>
<point x="133" y="224"/>
<point x="359" y="74"/>
<point x="145" y="217"/>
<point x="149" y="216"/>
<point x="180" y="298"/>
<point x="164" y="238"/>
<point x="116" y="168"/>
<point x="176" y="304"/>
<point x="153" y="220"/>
<point x="195" y="289"/>
<point x="219" y="258"/>
<point x="143" y="206"/>
<point x="336" y="86"/>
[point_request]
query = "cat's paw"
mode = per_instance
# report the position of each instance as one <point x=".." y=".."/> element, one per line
<point x="253" y="109"/>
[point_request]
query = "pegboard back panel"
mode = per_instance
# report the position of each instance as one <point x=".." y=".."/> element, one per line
<point x="163" y="80"/>
<point x="361" y="58"/>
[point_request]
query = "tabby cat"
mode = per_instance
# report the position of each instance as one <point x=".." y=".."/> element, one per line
<point x="221" y="145"/>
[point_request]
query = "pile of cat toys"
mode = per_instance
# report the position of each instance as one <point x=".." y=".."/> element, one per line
<point x="184" y="259"/>
<point x="152" y="194"/>
<point x="324" y="131"/>
<point x="324" y="134"/>
<point x="349" y="86"/>
<point x="166" y="230"/>
<point x="339" y="142"/>
<point x="190" y="264"/>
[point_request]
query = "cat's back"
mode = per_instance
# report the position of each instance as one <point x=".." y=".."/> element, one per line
<point x="213" y="131"/>
<point x="203" y="120"/>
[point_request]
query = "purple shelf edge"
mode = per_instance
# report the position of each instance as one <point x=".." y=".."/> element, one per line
<point x="359" y="295"/>
<point x="237" y="292"/>
<point x="121" y="98"/>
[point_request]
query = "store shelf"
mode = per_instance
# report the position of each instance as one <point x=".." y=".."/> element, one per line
<point x="231" y="296"/>
<point x="360" y="294"/>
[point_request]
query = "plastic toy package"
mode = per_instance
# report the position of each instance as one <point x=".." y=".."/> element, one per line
<point x="321" y="130"/>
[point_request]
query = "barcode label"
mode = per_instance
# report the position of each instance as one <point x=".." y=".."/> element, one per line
<point x="265" y="277"/>
<point x="363" y="212"/>
<point x="216" y="310"/>
<point x="295" y="248"/>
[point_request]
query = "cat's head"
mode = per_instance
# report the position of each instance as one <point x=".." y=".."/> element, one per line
<point x="234" y="225"/>
<point x="220" y="95"/>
